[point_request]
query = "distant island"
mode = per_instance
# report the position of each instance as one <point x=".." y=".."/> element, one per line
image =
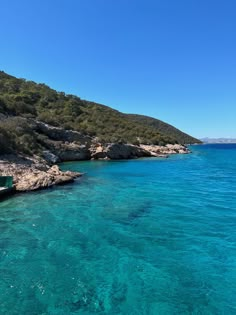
<point x="218" y="140"/>
<point x="40" y="127"/>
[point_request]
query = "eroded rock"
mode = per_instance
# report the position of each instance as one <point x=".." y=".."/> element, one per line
<point x="50" y="157"/>
<point x="159" y="151"/>
<point x="28" y="175"/>
<point x="115" y="151"/>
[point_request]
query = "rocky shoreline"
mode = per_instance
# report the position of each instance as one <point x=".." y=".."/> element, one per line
<point x="69" y="145"/>
<point x="33" y="173"/>
<point x="114" y="151"/>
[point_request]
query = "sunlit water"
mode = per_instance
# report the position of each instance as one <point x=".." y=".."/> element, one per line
<point x="148" y="236"/>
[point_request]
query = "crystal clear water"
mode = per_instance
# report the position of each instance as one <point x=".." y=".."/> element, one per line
<point x="149" y="236"/>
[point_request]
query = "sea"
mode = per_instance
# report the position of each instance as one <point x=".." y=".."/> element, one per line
<point x="152" y="236"/>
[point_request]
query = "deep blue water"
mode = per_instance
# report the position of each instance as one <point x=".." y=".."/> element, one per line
<point x="149" y="237"/>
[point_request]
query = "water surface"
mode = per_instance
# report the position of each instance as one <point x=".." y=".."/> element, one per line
<point x="148" y="236"/>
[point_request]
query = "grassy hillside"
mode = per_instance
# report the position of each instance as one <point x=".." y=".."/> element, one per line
<point x="164" y="128"/>
<point x="22" y="100"/>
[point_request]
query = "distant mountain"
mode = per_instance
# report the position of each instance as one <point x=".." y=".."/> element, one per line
<point x="23" y="102"/>
<point x="218" y="140"/>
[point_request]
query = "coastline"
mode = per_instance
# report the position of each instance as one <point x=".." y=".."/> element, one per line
<point x="34" y="173"/>
<point x="31" y="174"/>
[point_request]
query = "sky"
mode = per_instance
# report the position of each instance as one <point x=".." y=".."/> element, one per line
<point x="174" y="60"/>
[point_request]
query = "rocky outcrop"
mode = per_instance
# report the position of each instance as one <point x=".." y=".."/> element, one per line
<point x="125" y="151"/>
<point x="35" y="179"/>
<point x="115" y="151"/>
<point x="60" y="134"/>
<point x="69" y="145"/>
<point x="157" y="150"/>
<point x="59" y="151"/>
<point x="72" y="152"/>
<point x="30" y="175"/>
<point x="50" y="157"/>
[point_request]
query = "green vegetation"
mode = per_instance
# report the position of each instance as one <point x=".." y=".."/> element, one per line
<point x="18" y="135"/>
<point x="164" y="128"/>
<point x="21" y="101"/>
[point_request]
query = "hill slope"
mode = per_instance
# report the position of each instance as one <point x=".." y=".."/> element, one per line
<point x="22" y="102"/>
<point x="164" y="128"/>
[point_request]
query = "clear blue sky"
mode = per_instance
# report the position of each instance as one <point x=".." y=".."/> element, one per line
<point x="171" y="59"/>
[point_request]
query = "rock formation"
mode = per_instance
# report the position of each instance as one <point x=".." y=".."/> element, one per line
<point x="60" y="134"/>
<point x="29" y="174"/>
<point x="157" y="150"/>
<point x="115" y="151"/>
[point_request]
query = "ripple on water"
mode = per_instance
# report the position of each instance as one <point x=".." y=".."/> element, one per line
<point x="131" y="237"/>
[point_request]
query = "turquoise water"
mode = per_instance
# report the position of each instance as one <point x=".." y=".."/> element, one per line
<point x="148" y="236"/>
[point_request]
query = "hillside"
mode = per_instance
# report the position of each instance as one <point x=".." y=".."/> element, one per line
<point x="22" y="103"/>
<point x="164" y="128"/>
